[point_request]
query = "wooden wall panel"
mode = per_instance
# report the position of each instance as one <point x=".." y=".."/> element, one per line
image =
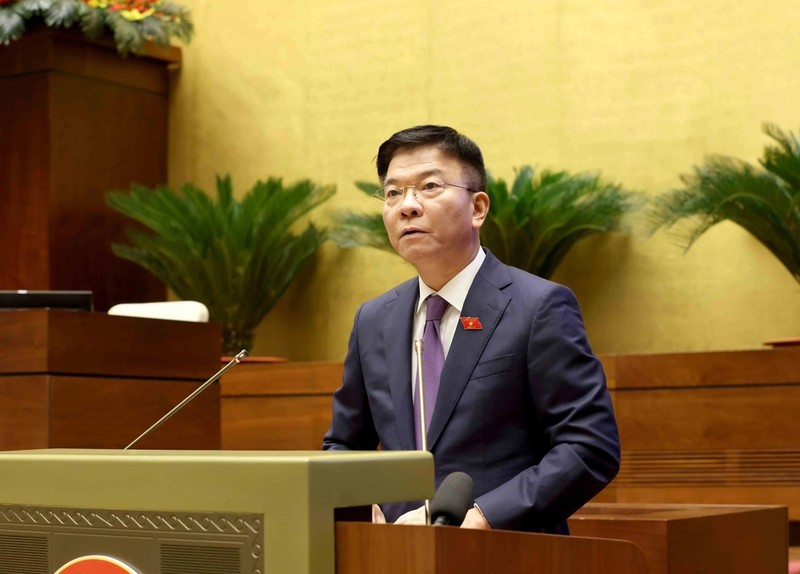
<point x="278" y="406"/>
<point x="709" y="419"/>
<point x="24" y="412"/>
<point x="284" y="422"/>
<point x="24" y="179"/>
<point x="91" y="412"/>
<point x="254" y="378"/>
<point x="23" y="341"/>
<point x="715" y="427"/>
<point x="712" y="369"/>
<point x="104" y="136"/>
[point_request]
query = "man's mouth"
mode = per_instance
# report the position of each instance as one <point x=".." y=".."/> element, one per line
<point x="409" y="232"/>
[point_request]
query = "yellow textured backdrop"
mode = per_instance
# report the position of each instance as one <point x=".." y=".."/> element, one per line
<point x="638" y="90"/>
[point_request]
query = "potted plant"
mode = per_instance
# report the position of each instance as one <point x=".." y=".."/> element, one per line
<point x="764" y="199"/>
<point x="531" y="226"/>
<point x="132" y="22"/>
<point x="236" y="257"/>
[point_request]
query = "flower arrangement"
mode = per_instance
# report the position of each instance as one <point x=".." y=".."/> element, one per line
<point x="131" y="21"/>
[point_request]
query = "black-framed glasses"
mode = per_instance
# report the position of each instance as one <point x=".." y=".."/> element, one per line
<point x="393" y="194"/>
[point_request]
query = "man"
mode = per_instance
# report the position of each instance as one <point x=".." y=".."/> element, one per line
<point x="522" y="406"/>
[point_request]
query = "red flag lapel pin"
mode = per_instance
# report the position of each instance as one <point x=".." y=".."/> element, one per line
<point x="471" y="323"/>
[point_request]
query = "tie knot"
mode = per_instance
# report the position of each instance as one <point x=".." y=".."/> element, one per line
<point x="435" y="308"/>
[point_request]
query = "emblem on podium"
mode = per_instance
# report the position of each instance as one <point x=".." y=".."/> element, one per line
<point x="95" y="565"/>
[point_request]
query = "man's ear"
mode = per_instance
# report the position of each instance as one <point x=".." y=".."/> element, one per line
<point x="480" y="208"/>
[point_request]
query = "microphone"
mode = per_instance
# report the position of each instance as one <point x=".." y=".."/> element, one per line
<point x="452" y="500"/>
<point x="233" y="362"/>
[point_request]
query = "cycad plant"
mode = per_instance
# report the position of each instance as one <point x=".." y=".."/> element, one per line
<point x="764" y="200"/>
<point x="531" y="226"/>
<point x="236" y="257"/>
<point x="534" y="224"/>
<point x="357" y="229"/>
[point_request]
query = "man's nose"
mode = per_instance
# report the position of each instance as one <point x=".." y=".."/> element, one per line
<point x="410" y="205"/>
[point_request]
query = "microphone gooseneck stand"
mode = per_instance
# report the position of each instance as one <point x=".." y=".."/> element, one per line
<point x="233" y="362"/>
<point x="423" y="430"/>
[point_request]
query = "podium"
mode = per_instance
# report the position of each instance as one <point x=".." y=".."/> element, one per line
<point x="71" y="379"/>
<point x="236" y="512"/>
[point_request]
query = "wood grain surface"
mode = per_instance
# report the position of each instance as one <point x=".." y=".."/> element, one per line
<point x="77" y="121"/>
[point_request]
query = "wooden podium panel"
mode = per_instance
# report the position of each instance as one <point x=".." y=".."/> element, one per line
<point x="363" y="548"/>
<point x="90" y="380"/>
<point x="694" y="539"/>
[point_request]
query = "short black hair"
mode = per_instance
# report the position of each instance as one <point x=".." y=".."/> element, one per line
<point x="446" y="139"/>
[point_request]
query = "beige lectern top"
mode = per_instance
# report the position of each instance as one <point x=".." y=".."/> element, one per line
<point x="295" y="492"/>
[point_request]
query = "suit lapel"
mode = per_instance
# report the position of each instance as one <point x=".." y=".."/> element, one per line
<point x="396" y="335"/>
<point x="488" y="302"/>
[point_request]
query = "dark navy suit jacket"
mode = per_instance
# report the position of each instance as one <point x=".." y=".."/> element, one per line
<point x="522" y="408"/>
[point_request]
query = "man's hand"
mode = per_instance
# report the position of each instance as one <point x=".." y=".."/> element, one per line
<point x="416" y="516"/>
<point x="377" y="515"/>
<point x="475" y="519"/>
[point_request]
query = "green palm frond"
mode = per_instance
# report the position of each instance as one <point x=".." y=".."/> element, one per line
<point x="534" y="224"/>
<point x="238" y="258"/>
<point x="355" y="229"/>
<point x="764" y="200"/>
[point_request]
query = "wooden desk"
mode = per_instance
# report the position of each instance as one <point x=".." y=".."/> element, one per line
<point x="89" y="380"/>
<point x="694" y="539"/>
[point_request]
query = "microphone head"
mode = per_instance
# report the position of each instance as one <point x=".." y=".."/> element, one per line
<point x="453" y="499"/>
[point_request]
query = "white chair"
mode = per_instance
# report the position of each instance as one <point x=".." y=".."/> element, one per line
<point x="174" y="310"/>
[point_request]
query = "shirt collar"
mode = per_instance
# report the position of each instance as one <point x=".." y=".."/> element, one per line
<point x="454" y="291"/>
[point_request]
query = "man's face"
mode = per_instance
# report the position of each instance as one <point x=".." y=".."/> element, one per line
<point x="438" y="235"/>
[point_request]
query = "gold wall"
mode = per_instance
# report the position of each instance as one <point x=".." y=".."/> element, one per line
<point x="638" y="90"/>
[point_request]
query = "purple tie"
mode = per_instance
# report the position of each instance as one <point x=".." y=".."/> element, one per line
<point x="432" y="362"/>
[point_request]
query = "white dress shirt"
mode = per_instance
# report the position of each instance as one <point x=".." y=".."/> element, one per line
<point x="455" y="293"/>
